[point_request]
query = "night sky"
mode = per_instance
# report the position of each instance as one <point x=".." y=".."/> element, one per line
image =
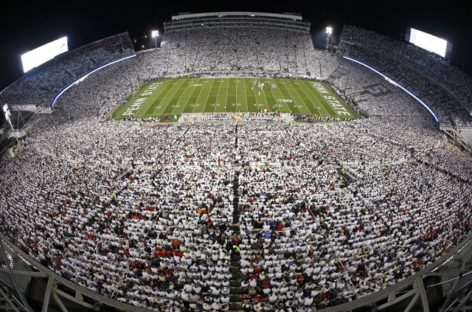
<point x="26" y="25"/>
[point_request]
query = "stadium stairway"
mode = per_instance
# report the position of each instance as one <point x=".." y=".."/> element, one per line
<point x="235" y="267"/>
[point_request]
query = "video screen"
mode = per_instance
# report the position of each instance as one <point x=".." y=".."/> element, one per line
<point x="44" y="53"/>
<point x="428" y="42"/>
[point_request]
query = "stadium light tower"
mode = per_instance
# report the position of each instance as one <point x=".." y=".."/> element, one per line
<point x="154" y="35"/>
<point x="329" y="32"/>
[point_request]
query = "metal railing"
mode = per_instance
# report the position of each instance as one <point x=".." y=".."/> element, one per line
<point x="455" y="267"/>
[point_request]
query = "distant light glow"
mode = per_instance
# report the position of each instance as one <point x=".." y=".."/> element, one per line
<point x="329" y="30"/>
<point x="396" y="85"/>
<point x="56" y="98"/>
<point x="428" y="42"/>
<point x="44" y="53"/>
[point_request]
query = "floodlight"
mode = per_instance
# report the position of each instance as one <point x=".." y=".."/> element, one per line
<point x="329" y="30"/>
<point x="154" y="35"/>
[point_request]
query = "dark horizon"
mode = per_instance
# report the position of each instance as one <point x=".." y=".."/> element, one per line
<point x="29" y="25"/>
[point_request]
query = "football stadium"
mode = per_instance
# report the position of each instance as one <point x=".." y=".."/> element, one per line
<point x="235" y="166"/>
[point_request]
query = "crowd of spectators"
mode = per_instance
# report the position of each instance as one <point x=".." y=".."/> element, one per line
<point x="372" y="95"/>
<point x="144" y="220"/>
<point x="444" y="88"/>
<point x="312" y="239"/>
<point x="246" y="49"/>
<point x="141" y="212"/>
<point x="427" y="63"/>
<point x="40" y="85"/>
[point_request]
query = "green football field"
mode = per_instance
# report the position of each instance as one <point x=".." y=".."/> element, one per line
<point x="171" y="97"/>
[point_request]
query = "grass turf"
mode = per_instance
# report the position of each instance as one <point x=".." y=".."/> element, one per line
<point x="208" y="95"/>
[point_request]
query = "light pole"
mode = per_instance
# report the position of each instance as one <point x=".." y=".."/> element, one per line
<point x="155" y="34"/>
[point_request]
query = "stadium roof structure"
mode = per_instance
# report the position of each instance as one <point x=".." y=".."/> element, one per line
<point x="282" y="21"/>
<point x="289" y="16"/>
